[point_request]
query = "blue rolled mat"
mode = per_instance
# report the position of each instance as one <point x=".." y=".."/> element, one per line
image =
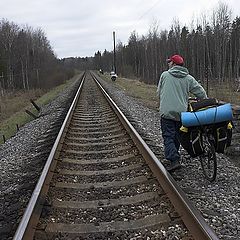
<point x="209" y="116"/>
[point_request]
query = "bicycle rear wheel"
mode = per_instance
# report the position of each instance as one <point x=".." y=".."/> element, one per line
<point x="209" y="161"/>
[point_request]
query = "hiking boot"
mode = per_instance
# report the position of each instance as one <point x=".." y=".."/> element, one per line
<point x="173" y="166"/>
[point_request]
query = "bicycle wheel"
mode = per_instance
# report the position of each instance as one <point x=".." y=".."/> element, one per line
<point x="209" y="160"/>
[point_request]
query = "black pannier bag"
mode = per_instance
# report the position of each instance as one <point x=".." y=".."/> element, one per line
<point x="191" y="138"/>
<point x="222" y="135"/>
<point x="191" y="141"/>
<point x="204" y="103"/>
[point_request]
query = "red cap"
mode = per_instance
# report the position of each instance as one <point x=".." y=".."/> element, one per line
<point x="177" y="59"/>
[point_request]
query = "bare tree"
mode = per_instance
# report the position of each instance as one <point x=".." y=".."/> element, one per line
<point x="26" y="59"/>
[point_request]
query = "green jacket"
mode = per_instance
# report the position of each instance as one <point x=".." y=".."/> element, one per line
<point x="173" y="89"/>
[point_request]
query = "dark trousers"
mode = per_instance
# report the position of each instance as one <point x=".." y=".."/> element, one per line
<point x="170" y="134"/>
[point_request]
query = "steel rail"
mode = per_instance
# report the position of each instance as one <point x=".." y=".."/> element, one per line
<point x="32" y="213"/>
<point x="189" y="214"/>
<point x="192" y="218"/>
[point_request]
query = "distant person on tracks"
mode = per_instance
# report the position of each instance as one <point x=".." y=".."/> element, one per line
<point x="174" y="87"/>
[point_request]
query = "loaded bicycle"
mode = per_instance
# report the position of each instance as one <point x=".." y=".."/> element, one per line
<point x="207" y="129"/>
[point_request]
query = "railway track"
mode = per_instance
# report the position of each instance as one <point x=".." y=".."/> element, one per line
<point x="101" y="181"/>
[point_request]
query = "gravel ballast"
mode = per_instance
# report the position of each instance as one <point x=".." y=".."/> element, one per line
<point x="21" y="163"/>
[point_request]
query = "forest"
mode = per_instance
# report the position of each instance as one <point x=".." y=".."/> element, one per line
<point x="27" y="60"/>
<point x="210" y="47"/>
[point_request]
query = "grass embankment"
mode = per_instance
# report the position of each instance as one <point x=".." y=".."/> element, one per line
<point x="225" y="92"/>
<point x="12" y="108"/>
<point x="147" y="93"/>
<point x="143" y="92"/>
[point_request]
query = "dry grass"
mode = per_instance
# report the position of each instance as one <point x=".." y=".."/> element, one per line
<point x="225" y="92"/>
<point x="137" y="89"/>
<point x="147" y="93"/>
<point x="14" y="102"/>
<point x="13" y="108"/>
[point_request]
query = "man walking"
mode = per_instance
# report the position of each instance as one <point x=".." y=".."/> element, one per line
<point x="173" y="90"/>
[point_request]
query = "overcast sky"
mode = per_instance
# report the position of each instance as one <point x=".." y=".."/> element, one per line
<point x="82" y="27"/>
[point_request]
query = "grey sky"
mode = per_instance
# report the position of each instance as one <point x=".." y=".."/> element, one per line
<point x="81" y="27"/>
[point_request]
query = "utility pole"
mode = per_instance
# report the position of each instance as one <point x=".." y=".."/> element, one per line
<point x="207" y="76"/>
<point x="1" y="85"/>
<point x="114" y="53"/>
<point x="206" y="65"/>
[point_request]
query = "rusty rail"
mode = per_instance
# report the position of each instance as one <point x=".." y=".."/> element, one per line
<point x="190" y="215"/>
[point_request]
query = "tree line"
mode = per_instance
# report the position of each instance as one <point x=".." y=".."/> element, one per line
<point x="27" y="60"/>
<point x="211" y="49"/>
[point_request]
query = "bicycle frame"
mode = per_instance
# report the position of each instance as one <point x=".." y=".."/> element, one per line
<point x="208" y="158"/>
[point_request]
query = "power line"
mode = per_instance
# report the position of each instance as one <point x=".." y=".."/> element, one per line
<point x="154" y="5"/>
<point x="145" y="13"/>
